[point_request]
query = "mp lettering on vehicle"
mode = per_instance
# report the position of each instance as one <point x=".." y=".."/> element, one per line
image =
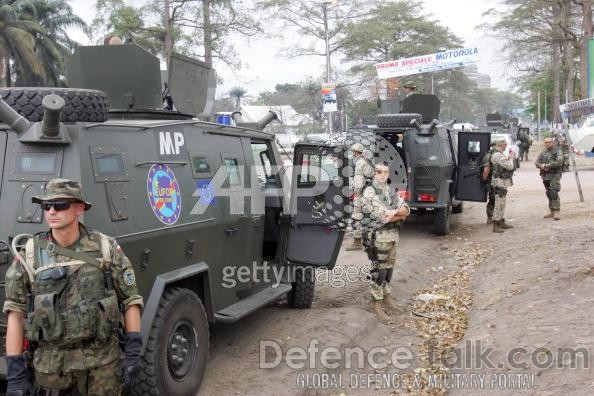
<point x="172" y="145"/>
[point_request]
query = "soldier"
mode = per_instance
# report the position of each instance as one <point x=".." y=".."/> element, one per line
<point x="550" y="163"/>
<point x="487" y="177"/>
<point x="65" y="297"/>
<point x="525" y="143"/>
<point x="362" y="176"/>
<point x="383" y="208"/>
<point x="563" y="147"/>
<point x="502" y="168"/>
<point x="410" y="88"/>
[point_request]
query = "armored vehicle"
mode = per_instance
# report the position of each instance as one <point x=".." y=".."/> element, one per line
<point x="195" y="205"/>
<point x="442" y="165"/>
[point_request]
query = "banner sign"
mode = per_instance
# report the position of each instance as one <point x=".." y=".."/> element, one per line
<point x="329" y="98"/>
<point x="579" y="108"/>
<point x="428" y="63"/>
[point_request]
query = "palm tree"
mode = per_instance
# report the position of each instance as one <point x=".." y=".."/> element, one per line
<point x="237" y="93"/>
<point x="17" y="39"/>
<point x="52" y="44"/>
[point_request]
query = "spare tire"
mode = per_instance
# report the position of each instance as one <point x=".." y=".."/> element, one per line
<point x="397" y="120"/>
<point x="82" y="105"/>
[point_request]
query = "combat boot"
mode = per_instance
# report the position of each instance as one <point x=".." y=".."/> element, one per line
<point x="489" y="219"/>
<point x="497" y="226"/>
<point x="376" y="307"/>
<point x="556" y="215"/>
<point x="356" y="245"/>
<point x="504" y="225"/>
<point x="549" y="215"/>
<point x="390" y="303"/>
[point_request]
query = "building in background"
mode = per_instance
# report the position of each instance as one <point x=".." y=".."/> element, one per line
<point x="481" y="80"/>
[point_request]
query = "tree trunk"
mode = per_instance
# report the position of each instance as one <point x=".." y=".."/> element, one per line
<point x="207" y="32"/>
<point x="555" y="66"/>
<point x="586" y="36"/>
<point x="168" y="40"/>
<point x="568" y="55"/>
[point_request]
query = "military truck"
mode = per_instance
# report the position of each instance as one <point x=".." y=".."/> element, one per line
<point x="192" y="203"/>
<point x="441" y="172"/>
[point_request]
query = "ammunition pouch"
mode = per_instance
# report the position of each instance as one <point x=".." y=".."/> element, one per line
<point x="109" y="318"/>
<point x="45" y="319"/>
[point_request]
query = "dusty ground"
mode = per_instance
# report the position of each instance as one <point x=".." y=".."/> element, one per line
<point x="530" y="287"/>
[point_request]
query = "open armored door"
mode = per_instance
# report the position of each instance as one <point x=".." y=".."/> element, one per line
<point x="315" y="228"/>
<point x="472" y="146"/>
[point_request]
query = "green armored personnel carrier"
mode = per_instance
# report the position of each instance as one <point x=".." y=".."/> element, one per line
<point x="195" y="205"/>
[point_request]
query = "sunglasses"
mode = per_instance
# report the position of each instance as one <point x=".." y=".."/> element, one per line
<point x="57" y="205"/>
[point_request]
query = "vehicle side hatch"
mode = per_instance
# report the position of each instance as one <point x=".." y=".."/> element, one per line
<point x="314" y="227"/>
<point x="472" y="147"/>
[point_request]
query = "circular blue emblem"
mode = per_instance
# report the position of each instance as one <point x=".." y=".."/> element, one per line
<point x="163" y="193"/>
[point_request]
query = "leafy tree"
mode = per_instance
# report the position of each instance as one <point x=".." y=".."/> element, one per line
<point x="52" y="44"/>
<point x="17" y="40"/>
<point x="237" y="93"/>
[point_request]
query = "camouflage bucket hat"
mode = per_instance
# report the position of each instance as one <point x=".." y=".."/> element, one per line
<point x="358" y="147"/>
<point x="410" y="84"/>
<point x="62" y="188"/>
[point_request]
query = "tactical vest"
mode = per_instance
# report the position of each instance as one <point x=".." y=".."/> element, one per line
<point x="551" y="156"/>
<point x="499" y="172"/>
<point x="72" y="303"/>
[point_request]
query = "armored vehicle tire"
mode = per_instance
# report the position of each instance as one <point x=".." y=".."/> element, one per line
<point x="442" y="219"/>
<point x="84" y="105"/>
<point x="177" y="349"/>
<point x="304" y="287"/>
<point x="397" y="120"/>
<point x="458" y="208"/>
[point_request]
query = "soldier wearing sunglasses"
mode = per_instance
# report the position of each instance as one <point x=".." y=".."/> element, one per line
<point x="70" y="295"/>
<point x="383" y="208"/>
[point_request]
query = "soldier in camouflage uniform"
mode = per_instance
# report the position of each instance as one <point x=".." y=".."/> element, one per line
<point x="65" y="297"/>
<point x="383" y="208"/>
<point x="487" y="176"/>
<point x="502" y="168"/>
<point x="550" y="163"/>
<point x="362" y="175"/>
<point x="563" y="148"/>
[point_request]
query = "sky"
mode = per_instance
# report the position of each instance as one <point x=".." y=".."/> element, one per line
<point x="264" y="67"/>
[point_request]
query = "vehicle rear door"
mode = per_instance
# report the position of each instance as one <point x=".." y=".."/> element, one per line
<point x="314" y="227"/>
<point x="472" y="146"/>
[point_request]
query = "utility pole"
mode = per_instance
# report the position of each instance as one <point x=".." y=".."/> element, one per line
<point x="325" y="5"/>
<point x="538" y="118"/>
<point x="545" y="104"/>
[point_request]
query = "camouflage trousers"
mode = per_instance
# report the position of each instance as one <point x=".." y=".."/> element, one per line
<point x="99" y="381"/>
<point x="499" y="208"/>
<point x="552" y="188"/>
<point x="382" y="269"/>
<point x="357" y="216"/>
<point x="491" y="201"/>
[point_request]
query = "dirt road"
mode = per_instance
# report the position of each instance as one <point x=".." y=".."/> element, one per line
<point x="531" y="287"/>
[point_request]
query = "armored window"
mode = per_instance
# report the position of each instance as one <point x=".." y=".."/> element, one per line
<point x="318" y="168"/>
<point x="200" y="165"/>
<point x="263" y="163"/>
<point x="232" y="168"/>
<point x="109" y="164"/>
<point x="36" y="163"/>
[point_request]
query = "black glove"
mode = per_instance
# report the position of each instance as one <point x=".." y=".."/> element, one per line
<point x="131" y="364"/>
<point x="18" y="376"/>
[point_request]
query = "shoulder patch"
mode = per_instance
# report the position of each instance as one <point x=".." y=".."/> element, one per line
<point x="129" y="278"/>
